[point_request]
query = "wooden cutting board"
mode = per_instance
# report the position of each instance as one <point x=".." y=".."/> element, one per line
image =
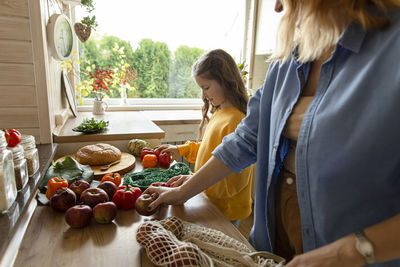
<point x="126" y="164"/>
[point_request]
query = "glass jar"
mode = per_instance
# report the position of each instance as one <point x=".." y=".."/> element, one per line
<point x="31" y="153"/>
<point x="8" y="189"/>
<point x="20" y="166"/>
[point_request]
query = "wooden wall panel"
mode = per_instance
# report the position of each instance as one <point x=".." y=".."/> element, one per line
<point x="15" y="51"/>
<point x="13" y="28"/>
<point x="12" y="96"/>
<point x="17" y="74"/>
<point x="18" y="8"/>
<point x="19" y="118"/>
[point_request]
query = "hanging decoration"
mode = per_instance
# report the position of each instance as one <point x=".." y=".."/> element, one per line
<point x="84" y="28"/>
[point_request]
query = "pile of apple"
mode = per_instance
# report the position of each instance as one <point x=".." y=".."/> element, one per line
<point x="81" y="202"/>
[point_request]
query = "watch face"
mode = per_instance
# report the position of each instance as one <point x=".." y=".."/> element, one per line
<point x="63" y="37"/>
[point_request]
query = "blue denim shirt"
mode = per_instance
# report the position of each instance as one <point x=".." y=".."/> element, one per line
<point x="348" y="148"/>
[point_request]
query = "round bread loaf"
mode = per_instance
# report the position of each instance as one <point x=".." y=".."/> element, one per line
<point x="98" y="154"/>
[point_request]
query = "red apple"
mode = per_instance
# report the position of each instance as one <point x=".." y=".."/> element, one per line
<point x="109" y="187"/>
<point x="93" y="196"/>
<point x="141" y="204"/>
<point x="105" y="212"/>
<point x="78" y="216"/>
<point x="78" y="187"/>
<point x="63" y="199"/>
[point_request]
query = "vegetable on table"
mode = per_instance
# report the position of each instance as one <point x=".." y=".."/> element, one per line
<point x="149" y="161"/>
<point x="146" y="151"/>
<point x="135" y="146"/>
<point x="13" y="137"/>
<point x="125" y="197"/>
<point x="53" y="184"/>
<point x="112" y="177"/>
<point x="148" y="176"/>
<point x="164" y="159"/>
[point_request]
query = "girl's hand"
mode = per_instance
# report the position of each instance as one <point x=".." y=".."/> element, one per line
<point x="172" y="149"/>
<point x="164" y="196"/>
<point x="339" y="253"/>
<point x="178" y="180"/>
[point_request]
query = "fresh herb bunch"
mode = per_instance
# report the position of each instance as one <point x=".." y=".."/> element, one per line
<point x="91" y="126"/>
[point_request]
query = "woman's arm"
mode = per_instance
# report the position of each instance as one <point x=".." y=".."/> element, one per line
<point x="385" y="237"/>
<point x="210" y="173"/>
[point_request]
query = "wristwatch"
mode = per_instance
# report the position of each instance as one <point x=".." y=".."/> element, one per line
<point x="365" y="247"/>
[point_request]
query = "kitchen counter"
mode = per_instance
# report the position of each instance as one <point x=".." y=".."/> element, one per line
<point x="12" y="223"/>
<point x="49" y="241"/>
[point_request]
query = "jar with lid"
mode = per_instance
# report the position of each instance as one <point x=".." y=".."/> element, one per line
<point x="8" y="189"/>
<point x="31" y="153"/>
<point x="20" y="166"/>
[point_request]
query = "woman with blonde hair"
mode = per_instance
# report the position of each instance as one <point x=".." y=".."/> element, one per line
<point x="323" y="129"/>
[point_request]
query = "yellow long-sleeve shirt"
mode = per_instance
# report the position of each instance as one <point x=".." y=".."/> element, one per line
<point x="231" y="195"/>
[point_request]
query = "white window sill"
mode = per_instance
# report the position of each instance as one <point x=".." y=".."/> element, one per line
<point x="117" y="104"/>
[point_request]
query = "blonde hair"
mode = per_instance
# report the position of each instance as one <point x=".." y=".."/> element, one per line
<point x="316" y="25"/>
<point x="218" y="65"/>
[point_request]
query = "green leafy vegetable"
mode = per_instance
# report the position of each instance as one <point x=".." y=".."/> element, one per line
<point x="91" y="126"/>
<point x="69" y="169"/>
<point x="145" y="178"/>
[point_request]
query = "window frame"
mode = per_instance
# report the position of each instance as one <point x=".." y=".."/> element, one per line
<point x="115" y="104"/>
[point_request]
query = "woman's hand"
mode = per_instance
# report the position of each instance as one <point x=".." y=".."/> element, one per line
<point x="164" y="196"/>
<point x="172" y="149"/>
<point x="178" y="180"/>
<point x="341" y="253"/>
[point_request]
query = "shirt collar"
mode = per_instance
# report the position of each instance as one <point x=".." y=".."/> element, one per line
<point x="353" y="37"/>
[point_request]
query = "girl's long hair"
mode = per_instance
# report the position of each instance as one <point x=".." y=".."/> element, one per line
<point x="316" y="25"/>
<point x="218" y="65"/>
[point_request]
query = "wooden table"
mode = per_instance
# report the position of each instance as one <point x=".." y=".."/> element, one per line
<point x="49" y="241"/>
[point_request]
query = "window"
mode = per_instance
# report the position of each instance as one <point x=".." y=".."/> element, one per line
<point x="148" y="47"/>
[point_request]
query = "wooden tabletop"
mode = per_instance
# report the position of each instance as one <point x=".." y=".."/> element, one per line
<point x="49" y="241"/>
<point x="122" y="126"/>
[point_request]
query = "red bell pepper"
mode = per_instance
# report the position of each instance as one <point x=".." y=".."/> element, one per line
<point x="146" y="151"/>
<point x="164" y="159"/>
<point x="125" y="197"/>
<point x="13" y="137"/>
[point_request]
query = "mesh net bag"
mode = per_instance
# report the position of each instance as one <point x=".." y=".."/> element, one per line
<point x="165" y="249"/>
<point x="215" y="247"/>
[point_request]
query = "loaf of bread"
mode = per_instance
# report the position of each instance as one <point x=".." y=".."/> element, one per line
<point x="98" y="154"/>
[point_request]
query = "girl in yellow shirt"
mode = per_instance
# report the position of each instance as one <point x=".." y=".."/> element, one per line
<point x="225" y="97"/>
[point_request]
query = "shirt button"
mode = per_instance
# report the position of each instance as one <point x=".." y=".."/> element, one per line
<point x="288" y="110"/>
<point x="289" y="180"/>
<point x="275" y="146"/>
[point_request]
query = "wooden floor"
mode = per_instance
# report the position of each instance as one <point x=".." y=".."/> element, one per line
<point x="245" y="226"/>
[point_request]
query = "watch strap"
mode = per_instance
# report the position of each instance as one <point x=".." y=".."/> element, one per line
<point x="365" y="247"/>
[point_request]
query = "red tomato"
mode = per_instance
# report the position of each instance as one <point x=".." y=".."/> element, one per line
<point x="146" y="151"/>
<point x="164" y="159"/>
<point x="13" y="137"/>
<point x="125" y="197"/>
